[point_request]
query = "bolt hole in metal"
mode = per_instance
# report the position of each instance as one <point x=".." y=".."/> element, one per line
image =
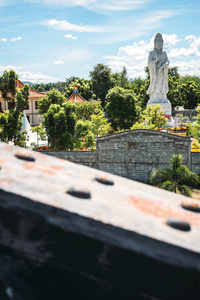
<point x="82" y="193"/>
<point x="191" y="205"/>
<point x="104" y="180"/>
<point x="178" y="224"/>
<point x="25" y="157"/>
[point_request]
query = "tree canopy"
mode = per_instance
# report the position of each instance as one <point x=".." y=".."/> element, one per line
<point x="85" y="88"/>
<point x="10" y="121"/>
<point x="52" y="97"/>
<point x="121" y="108"/>
<point x="102" y="82"/>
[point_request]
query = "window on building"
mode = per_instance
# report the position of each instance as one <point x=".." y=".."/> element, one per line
<point x="27" y="107"/>
<point x="0" y="107"/>
<point x="28" y="118"/>
<point x="36" y="104"/>
<point x="11" y="105"/>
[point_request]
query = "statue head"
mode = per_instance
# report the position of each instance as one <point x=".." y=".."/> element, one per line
<point x="158" y="41"/>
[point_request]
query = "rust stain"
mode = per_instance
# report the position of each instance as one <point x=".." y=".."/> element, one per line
<point x="162" y="210"/>
<point x="6" y="181"/>
<point x="28" y="165"/>
<point x="39" y="168"/>
<point x="56" y="167"/>
<point x="2" y="159"/>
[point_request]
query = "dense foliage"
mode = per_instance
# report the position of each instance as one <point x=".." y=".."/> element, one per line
<point x="10" y="121"/>
<point x="52" y="97"/>
<point x="102" y="81"/>
<point x="121" y="108"/>
<point x="175" y="179"/>
<point x="115" y="103"/>
<point x="151" y="118"/>
<point x="85" y="88"/>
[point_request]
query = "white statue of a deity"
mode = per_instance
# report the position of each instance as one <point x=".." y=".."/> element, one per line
<point x="158" y="68"/>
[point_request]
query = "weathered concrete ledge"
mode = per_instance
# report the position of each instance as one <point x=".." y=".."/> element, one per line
<point x="100" y="233"/>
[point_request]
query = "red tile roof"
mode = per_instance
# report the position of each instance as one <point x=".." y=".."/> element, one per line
<point x="33" y="93"/>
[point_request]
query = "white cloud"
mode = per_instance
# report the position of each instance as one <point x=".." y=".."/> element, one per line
<point x="98" y="6"/>
<point x="192" y="50"/>
<point x="129" y="28"/>
<point x="33" y="77"/>
<point x="4" y="40"/>
<point x="68" y="3"/>
<point x="59" y="62"/>
<point x="191" y="67"/>
<point x="36" y="77"/>
<point x="6" y="2"/>
<point x="189" y="37"/>
<point x="134" y="57"/>
<point x="16" y="39"/>
<point x="64" y="25"/>
<point x="105" y="6"/>
<point x="70" y="36"/>
<point x="9" y="67"/>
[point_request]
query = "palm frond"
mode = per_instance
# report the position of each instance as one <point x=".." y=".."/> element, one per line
<point x="175" y="161"/>
<point x="185" y="176"/>
<point x="184" y="190"/>
<point x="159" y="175"/>
<point x="167" y="185"/>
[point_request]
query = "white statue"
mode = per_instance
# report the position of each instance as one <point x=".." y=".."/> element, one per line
<point x="158" y="68"/>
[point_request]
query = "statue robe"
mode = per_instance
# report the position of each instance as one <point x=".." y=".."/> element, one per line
<point x="158" y="87"/>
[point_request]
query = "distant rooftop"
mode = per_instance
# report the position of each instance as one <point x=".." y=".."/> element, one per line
<point x="75" y="96"/>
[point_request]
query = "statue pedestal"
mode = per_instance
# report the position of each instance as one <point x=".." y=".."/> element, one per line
<point x="166" y="106"/>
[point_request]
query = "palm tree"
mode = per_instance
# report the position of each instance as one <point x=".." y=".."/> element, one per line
<point x="176" y="178"/>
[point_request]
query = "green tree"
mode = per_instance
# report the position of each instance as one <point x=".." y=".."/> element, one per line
<point x="10" y="121"/>
<point x="173" y="83"/>
<point x="85" y="88"/>
<point x="99" y="125"/>
<point x="189" y="93"/>
<point x="22" y="98"/>
<point x="80" y="133"/>
<point x="8" y="85"/>
<point x="102" y="81"/>
<point x="121" y="108"/>
<point x="188" y="78"/>
<point x="52" y="97"/>
<point x="84" y="110"/>
<point x="151" y="118"/>
<point x="59" y="122"/>
<point x="177" y="178"/>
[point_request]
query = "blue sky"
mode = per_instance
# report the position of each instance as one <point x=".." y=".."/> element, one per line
<point x="50" y="40"/>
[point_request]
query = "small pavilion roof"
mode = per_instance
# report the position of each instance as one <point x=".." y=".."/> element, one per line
<point x="75" y="96"/>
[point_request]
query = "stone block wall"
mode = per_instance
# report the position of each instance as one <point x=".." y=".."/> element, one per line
<point x="134" y="154"/>
<point x="195" y="162"/>
<point x="86" y="158"/>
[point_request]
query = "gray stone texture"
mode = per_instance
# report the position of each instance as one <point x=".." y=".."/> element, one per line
<point x="134" y="154"/>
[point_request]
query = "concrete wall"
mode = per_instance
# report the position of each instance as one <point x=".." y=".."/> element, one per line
<point x="134" y="154"/>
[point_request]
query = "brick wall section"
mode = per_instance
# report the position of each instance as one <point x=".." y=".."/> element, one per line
<point x="134" y="154"/>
